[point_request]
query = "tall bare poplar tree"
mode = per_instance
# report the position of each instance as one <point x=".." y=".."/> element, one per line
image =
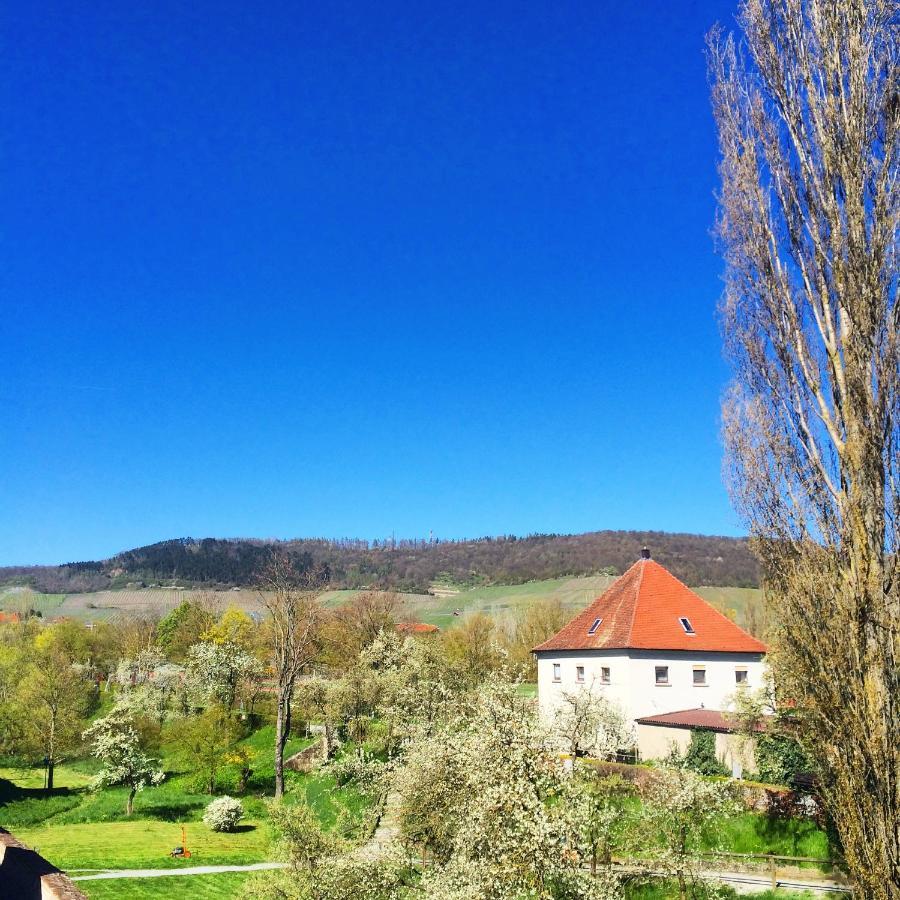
<point x="808" y="112"/>
<point x="295" y="618"/>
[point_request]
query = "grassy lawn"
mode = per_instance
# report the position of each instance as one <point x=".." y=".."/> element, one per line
<point x="145" y="844"/>
<point x="80" y="829"/>
<point x="33" y="779"/>
<point x="658" y="889"/>
<point x="754" y="833"/>
<point x="197" y="887"/>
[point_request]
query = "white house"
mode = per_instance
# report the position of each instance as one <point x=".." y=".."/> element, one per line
<point x="652" y="646"/>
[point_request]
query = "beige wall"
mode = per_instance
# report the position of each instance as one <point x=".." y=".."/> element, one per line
<point x="735" y="751"/>
<point x="655" y="741"/>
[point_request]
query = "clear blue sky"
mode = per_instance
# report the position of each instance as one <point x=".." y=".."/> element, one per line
<point x="347" y="269"/>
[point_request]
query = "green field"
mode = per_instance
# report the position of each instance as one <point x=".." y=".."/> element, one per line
<point x="502" y="602"/>
<point x="144" y="844"/>
<point x="82" y="831"/>
<point x="22" y="599"/>
<point x="223" y="886"/>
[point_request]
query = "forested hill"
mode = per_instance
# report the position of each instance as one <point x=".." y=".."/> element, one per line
<point x="407" y="565"/>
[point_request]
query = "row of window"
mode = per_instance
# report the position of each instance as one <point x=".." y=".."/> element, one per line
<point x="662" y="674"/>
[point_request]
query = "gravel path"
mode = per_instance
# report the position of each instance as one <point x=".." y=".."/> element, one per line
<point x="385" y="834"/>
<point x="190" y="870"/>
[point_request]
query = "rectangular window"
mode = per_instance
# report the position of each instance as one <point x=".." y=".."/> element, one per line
<point x="579" y="673"/>
<point x="662" y="674"/>
<point x="686" y="625"/>
<point x="556" y="668"/>
<point x="700" y="675"/>
<point x="604" y="675"/>
<point x="740" y="676"/>
<point x="594" y="626"/>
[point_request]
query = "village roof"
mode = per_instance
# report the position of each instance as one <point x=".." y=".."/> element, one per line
<point x="704" y="719"/>
<point x="648" y="608"/>
<point x="416" y="628"/>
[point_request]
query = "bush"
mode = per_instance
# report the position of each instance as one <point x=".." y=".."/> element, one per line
<point x="700" y="755"/>
<point x="365" y="773"/>
<point x="780" y="758"/>
<point x="223" y="813"/>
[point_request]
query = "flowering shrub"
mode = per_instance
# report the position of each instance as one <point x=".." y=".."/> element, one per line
<point x="359" y="769"/>
<point x="223" y="813"/>
<point x="684" y="810"/>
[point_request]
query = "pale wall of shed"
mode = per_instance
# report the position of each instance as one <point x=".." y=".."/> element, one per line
<point x="737" y="752"/>
<point x="656" y="741"/>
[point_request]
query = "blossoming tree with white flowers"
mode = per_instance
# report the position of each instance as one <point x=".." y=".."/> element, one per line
<point x="117" y="744"/>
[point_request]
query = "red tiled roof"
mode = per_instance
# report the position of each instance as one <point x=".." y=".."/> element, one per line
<point x="641" y="611"/>
<point x="708" y="719"/>
<point x="416" y="628"/>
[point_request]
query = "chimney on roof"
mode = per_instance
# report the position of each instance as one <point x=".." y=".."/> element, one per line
<point x="645" y="553"/>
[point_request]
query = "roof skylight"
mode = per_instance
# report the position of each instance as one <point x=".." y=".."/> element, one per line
<point x="686" y="625"/>
<point x="594" y="626"/>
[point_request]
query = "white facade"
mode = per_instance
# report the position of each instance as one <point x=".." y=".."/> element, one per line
<point x="693" y="679"/>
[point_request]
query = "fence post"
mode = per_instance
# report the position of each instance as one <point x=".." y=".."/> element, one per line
<point x="773" y="871"/>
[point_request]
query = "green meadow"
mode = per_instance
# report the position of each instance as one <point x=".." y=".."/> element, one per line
<point x="503" y="602"/>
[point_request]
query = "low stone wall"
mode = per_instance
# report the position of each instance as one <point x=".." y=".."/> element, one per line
<point x="639" y="776"/>
<point x="26" y="875"/>
<point x="306" y="760"/>
<point x="783" y="803"/>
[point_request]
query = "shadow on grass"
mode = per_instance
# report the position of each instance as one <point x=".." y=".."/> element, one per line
<point x="172" y="811"/>
<point x="22" y="807"/>
<point x="12" y="793"/>
<point x="243" y="829"/>
<point x="261" y="784"/>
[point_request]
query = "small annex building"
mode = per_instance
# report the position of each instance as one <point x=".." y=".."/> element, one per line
<point x="652" y="646"/>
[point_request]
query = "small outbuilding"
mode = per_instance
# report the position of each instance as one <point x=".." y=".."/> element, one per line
<point x="658" y="735"/>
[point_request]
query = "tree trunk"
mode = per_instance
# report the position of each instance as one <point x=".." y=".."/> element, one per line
<point x="281" y="723"/>
<point x="51" y="750"/>
<point x="129" y="803"/>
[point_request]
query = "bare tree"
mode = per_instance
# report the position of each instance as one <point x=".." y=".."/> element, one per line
<point x="355" y="624"/>
<point x="808" y="113"/>
<point x="292" y="601"/>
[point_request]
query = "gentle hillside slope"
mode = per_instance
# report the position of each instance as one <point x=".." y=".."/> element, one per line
<point x="414" y="566"/>
<point x="502" y="602"/>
